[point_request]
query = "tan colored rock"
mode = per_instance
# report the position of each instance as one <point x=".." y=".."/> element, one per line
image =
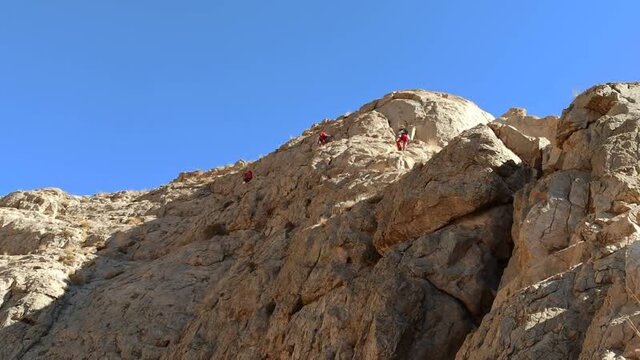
<point x="474" y="171"/>
<point x="546" y="214"/>
<point x="530" y="126"/>
<point x="609" y="99"/>
<point x="529" y="149"/>
<point x="530" y="137"/>
<point x="437" y="117"/>
<point x="46" y="201"/>
<point x="570" y="290"/>
<point x="352" y="250"/>
<point x="281" y="267"/>
<point x="464" y="259"/>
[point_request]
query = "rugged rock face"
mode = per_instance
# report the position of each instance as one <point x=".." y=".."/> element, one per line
<point x="570" y="290"/>
<point x="437" y="117"/>
<point x="351" y="250"/>
<point x="474" y="172"/>
<point x="528" y="136"/>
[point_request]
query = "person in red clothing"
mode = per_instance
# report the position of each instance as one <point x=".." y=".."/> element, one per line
<point x="247" y="176"/>
<point x="402" y="140"/>
<point x="323" y="137"/>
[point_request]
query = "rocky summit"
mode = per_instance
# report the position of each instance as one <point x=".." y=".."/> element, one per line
<point x="508" y="238"/>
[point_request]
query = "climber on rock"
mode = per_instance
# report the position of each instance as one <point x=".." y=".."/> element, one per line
<point x="323" y="138"/>
<point x="402" y="140"/>
<point x="247" y="176"/>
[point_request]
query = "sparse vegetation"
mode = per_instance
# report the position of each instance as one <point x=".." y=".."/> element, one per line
<point x="85" y="224"/>
<point x="69" y="254"/>
<point x="68" y="233"/>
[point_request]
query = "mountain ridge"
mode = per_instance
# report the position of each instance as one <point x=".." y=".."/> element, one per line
<point x="350" y="250"/>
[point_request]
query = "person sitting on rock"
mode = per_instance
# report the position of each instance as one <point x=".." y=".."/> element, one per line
<point x="247" y="176"/>
<point x="402" y="140"/>
<point x="323" y="138"/>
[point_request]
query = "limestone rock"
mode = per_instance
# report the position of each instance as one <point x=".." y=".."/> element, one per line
<point x="437" y="117"/>
<point x="473" y="172"/>
<point x="209" y="267"/>
<point x="610" y="99"/>
<point x="459" y="247"/>
<point x="530" y="137"/>
<point x="45" y="201"/>
<point x="530" y="126"/>
<point x="570" y="289"/>
<point x="529" y="149"/>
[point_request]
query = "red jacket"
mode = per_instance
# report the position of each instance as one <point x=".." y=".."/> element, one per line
<point x="247" y="176"/>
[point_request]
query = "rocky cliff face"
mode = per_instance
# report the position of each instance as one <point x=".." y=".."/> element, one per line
<point x="487" y="239"/>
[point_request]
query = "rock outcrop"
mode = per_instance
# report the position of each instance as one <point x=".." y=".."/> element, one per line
<point x="437" y="117"/>
<point x="474" y="172"/>
<point x="528" y="136"/>
<point x="512" y="238"/>
<point x="570" y="290"/>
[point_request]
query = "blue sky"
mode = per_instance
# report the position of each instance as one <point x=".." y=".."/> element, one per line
<point x="110" y="95"/>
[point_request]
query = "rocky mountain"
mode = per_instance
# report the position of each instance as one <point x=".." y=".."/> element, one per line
<point x="508" y="238"/>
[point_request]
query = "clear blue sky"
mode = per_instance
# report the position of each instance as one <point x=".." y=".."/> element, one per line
<point x="109" y="95"/>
